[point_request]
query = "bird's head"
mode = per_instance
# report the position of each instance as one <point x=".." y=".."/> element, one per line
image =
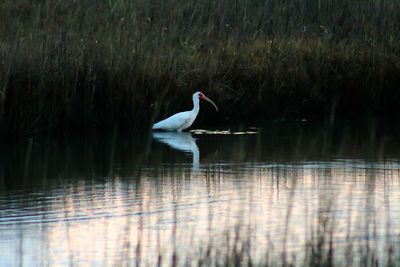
<point x="201" y="96"/>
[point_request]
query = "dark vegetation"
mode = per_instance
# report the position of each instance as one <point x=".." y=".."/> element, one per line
<point x="84" y="64"/>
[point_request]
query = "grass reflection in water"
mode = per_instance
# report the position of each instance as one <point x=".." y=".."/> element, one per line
<point x="300" y="195"/>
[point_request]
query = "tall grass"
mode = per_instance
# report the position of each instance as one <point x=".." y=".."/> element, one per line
<point x="99" y="63"/>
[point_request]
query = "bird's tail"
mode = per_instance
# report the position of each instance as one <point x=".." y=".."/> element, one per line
<point x="156" y="126"/>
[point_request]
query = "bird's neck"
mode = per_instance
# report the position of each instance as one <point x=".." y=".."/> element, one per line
<point x="196" y="106"/>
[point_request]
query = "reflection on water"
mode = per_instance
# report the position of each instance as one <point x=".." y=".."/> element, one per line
<point x="182" y="141"/>
<point x="293" y="193"/>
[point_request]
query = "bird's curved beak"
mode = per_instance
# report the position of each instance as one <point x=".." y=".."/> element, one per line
<point x="209" y="100"/>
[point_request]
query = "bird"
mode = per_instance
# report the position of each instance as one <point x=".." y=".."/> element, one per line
<point x="183" y="120"/>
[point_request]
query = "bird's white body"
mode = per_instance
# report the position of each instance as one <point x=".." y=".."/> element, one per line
<point x="178" y="122"/>
<point x="183" y="120"/>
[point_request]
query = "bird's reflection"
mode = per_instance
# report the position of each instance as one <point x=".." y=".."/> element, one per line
<point x="180" y="141"/>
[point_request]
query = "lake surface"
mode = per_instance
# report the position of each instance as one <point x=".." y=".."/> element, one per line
<point x="279" y="193"/>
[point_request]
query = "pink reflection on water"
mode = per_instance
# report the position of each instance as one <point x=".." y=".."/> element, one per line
<point x="272" y="209"/>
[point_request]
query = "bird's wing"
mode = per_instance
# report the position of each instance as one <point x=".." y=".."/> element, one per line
<point x="174" y="122"/>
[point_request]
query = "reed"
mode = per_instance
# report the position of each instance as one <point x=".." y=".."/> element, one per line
<point x="74" y="64"/>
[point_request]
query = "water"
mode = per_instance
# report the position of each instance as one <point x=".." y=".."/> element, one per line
<point x="283" y="193"/>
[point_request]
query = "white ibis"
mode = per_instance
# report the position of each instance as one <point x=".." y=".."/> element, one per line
<point x="183" y="120"/>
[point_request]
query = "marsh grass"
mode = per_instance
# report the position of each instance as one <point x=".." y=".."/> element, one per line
<point x="74" y="64"/>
